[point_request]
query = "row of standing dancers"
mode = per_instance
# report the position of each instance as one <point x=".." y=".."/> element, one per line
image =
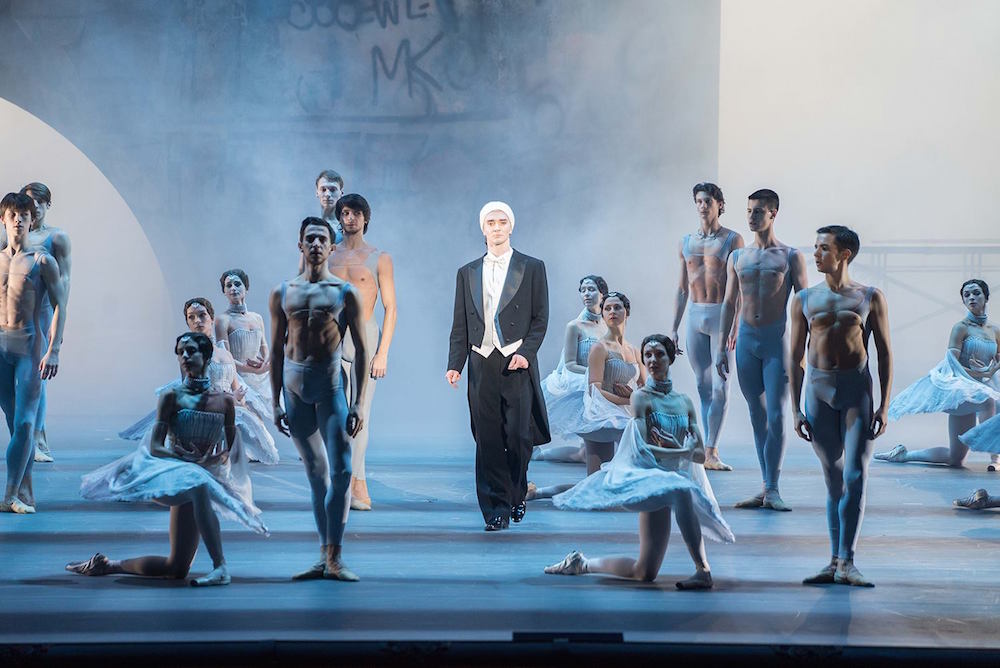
<point x="196" y="443"/>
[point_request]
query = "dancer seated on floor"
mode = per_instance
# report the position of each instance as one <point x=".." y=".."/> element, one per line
<point x="192" y="462"/>
<point x="612" y="369"/>
<point x="564" y="388"/>
<point x="658" y="468"/>
<point x="250" y="406"/>
<point x="965" y="385"/>
<point x="242" y="333"/>
<point x="978" y="500"/>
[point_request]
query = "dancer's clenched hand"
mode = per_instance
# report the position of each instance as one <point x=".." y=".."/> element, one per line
<point x="354" y="421"/>
<point x="453" y="377"/>
<point x="517" y="362"/>
<point x="281" y="420"/>
<point x="879" y="421"/>
<point x="802" y="427"/>
<point x="722" y="364"/>
<point x="49" y="365"/>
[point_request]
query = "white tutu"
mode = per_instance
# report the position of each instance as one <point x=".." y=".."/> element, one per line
<point x="259" y="385"/>
<point x="600" y="420"/>
<point x="636" y="481"/>
<point x="947" y="388"/>
<point x="984" y="437"/>
<point x="563" y="391"/>
<point x="139" y="476"/>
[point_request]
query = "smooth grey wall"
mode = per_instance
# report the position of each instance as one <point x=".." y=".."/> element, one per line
<point x="213" y="118"/>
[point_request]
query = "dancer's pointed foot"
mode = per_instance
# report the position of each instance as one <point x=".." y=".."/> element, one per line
<point x="17" y="506"/>
<point x="716" y="464"/>
<point x="314" y="572"/>
<point x="360" y="500"/>
<point x="96" y="565"/>
<point x="574" y="564"/>
<point x="848" y="574"/>
<point x="975" y="501"/>
<point x="216" y="577"/>
<point x="897" y="455"/>
<point x="824" y="577"/>
<point x="702" y="579"/>
<point x="42" y="457"/>
<point x="773" y="501"/>
<point x="752" y="502"/>
<point x="337" y="570"/>
<point x="532" y="491"/>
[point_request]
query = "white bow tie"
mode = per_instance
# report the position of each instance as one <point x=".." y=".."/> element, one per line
<point x="498" y="261"/>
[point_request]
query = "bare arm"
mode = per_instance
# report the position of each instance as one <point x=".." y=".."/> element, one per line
<point x="796" y="366"/>
<point x="49" y="364"/>
<point x="727" y="319"/>
<point x="165" y="408"/>
<point x="878" y="319"/>
<point x="595" y="369"/>
<point x="356" y="322"/>
<point x="279" y="332"/>
<point x="387" y="284"/>
<point x="264" y="351"/>
<point x="681" y="300"/>
<point x="797" y="267"/>
<point x="570" y="343"/>
<point x="62" y="252"/>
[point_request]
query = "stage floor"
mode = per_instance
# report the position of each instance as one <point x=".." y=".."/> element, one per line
<point x="430" y="572"/>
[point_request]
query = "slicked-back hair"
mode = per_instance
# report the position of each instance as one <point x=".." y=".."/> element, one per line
<point x="239" y="273"/>
<point x="356" y="202"/>
<point x="978" y="281"/>
<point x="672" y="350"/>
<point x="313" y="220"/>
<point x="38" y="191"/>
<point x="199" y="300"/>
<point x="18" y="203"/>
<point x="602" y="285"/>
<point x="713" y="191"/>
<point x="845" y="237"/>
<point x="330" y="175"/>
<point x="767" y="197"/>
<point x="204" y="344"/>
<point x="620" y="296"/>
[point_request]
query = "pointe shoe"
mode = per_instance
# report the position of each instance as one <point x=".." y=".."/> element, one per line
<point x="573" y="564"/>
<point x="752" y="502"/>
<point x="700" y="580"/>
<point x="314" y="572"/>
<point x="825" y="576"/>
<point x="896" y="455"/>
<point x="215" y="577"/>
<point x="532" y="491"/>
<point x="993" y="467"/>
<point x="359" y="495"/>
<point x="42" y="457"/>
<point x="849" y="575"/>
<point x="975" y="501"/>
<point x="96" y="565"/>
<point x="17" y="506"/>
<point x="773" y="501"/>
<point x="336" y="570"/>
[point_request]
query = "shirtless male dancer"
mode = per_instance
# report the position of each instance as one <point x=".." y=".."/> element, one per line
<point x="56" y="243"/>
<point x="309" y="315"/>
<point x="369" y="270"/>
<point x="760" y="279"/>
<point x="26" y="357"/>
<point x="703" y="258"/>
<point x="836" y="317"/>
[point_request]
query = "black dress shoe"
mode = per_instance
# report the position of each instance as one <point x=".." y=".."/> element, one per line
<point x="517" y="512"/>
<point x="496" y="523"/>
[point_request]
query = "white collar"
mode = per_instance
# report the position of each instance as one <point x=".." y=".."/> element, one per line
<point x="505" y="257"/>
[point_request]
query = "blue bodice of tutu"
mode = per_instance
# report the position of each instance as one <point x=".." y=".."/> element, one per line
<point x="583" y="347"/>
<point x="203" y="429"/>
<point x="244" y="344"/>
<point x="981" y="349"/>
<point x="670" y="423"/>
<point x="617" y="370"/>
<point x="222" y="376"/>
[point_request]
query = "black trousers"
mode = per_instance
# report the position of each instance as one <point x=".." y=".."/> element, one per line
<point x="500" y="407"/>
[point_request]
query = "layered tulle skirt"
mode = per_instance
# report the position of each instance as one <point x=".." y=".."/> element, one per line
<point x="635" y="480"/>
<point x="139" y="476"/>
<point x="984" y="437"/>
<point x="599" y="420"/>
<point x="947" y="388"/>
<point x="564" y="391"/>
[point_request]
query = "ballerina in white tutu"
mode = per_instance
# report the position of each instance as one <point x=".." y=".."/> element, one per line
<point x="964" y="385"/>
<point x="612" y="371"/>
<point x="658" y="468"/>
<point x="242" y="333"/>
<point x="564" y="388"/>
<point x="250" y="406"/>
<point x="190" y="461"/>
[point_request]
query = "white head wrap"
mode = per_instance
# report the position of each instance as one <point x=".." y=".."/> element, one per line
<point x="495" y="206"/>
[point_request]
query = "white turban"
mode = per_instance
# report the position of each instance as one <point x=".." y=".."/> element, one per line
<point x="495" y="206"/>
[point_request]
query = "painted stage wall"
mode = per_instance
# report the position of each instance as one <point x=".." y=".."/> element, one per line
<point x="211" y="120"/>
<point x="880" y="115"/>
